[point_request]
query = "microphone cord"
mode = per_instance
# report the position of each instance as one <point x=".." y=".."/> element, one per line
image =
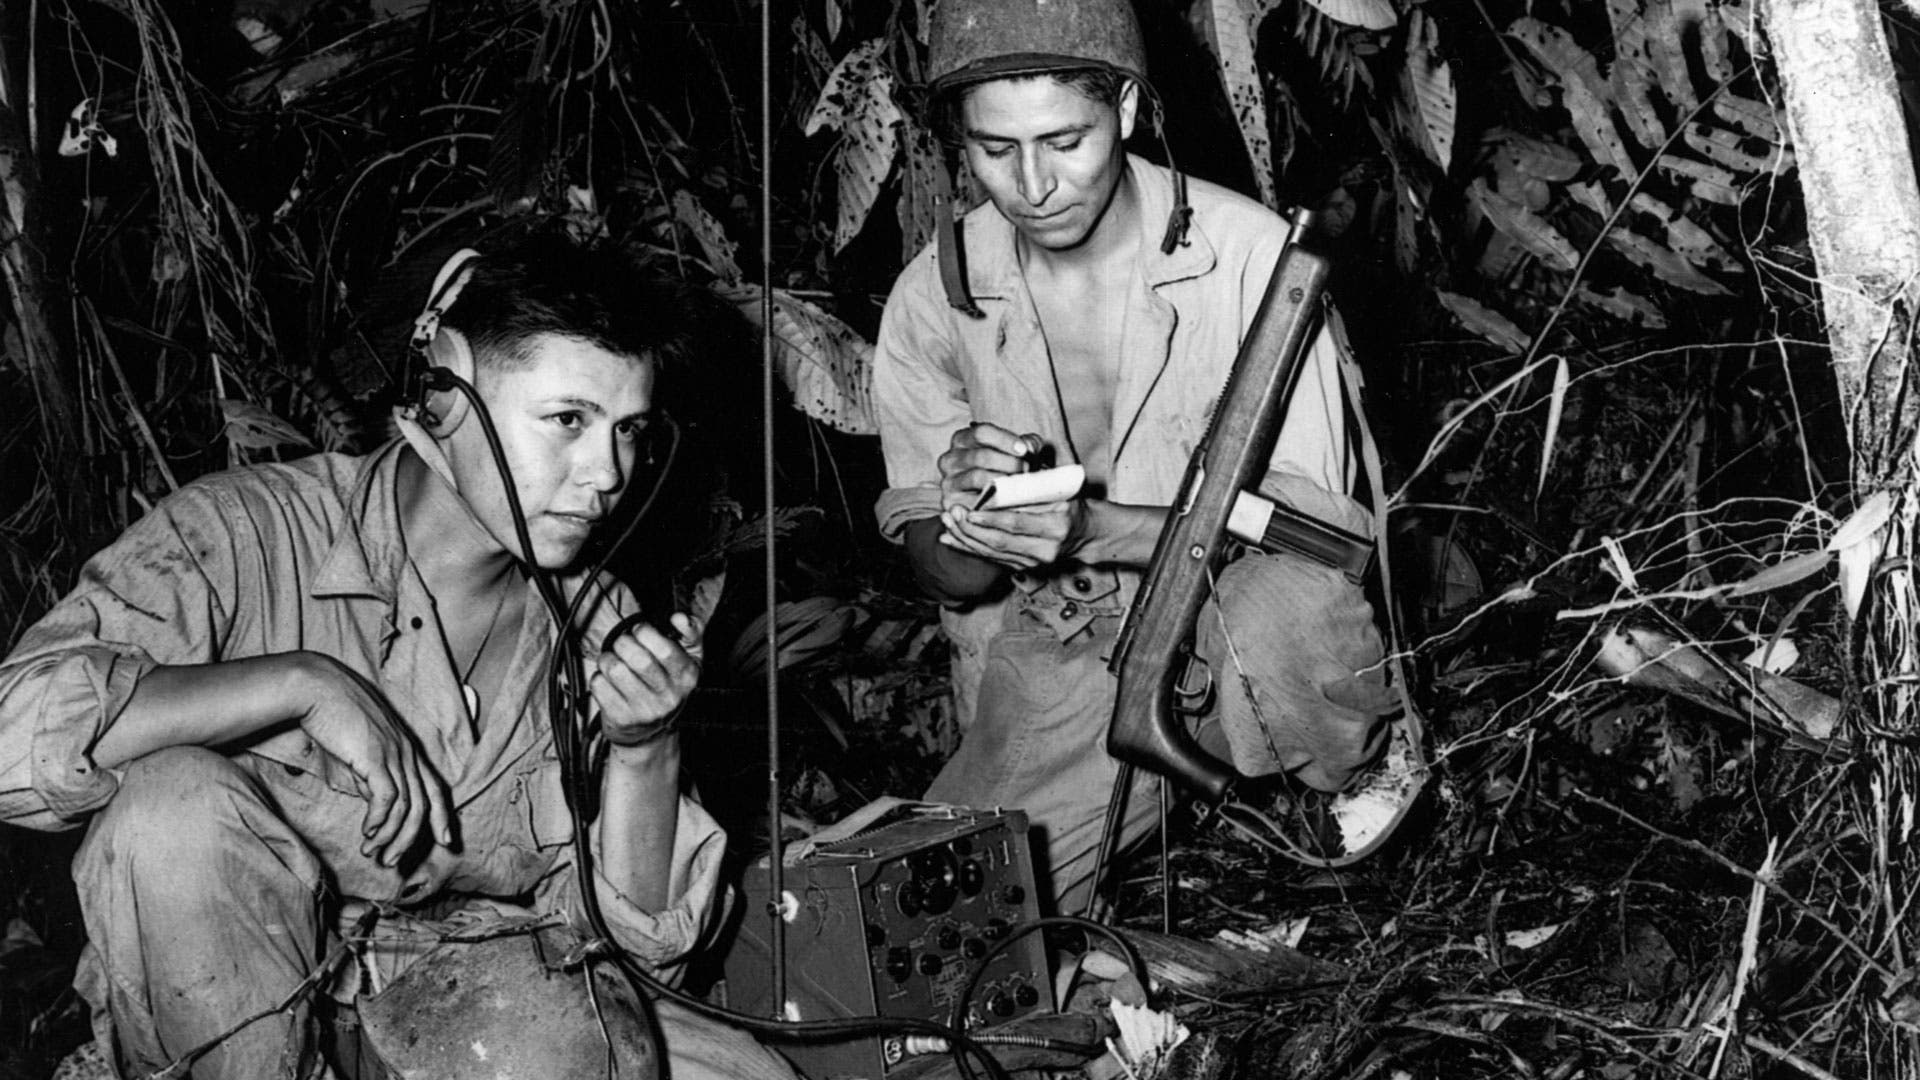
<point x="573" y="729"/>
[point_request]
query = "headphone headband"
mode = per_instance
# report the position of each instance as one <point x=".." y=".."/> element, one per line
<point x="417" y="374"/>
<point x="447" y="285"/>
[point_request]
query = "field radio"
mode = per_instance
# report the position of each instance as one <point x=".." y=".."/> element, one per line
<point x="893" y="921"/>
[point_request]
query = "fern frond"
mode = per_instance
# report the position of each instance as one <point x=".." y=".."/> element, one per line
<point x="1335" y="49"/>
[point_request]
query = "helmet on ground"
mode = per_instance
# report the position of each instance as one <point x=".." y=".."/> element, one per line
<point x="972" y="41"/>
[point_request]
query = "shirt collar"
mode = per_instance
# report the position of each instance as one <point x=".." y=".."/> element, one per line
<point x="369" y="553"/>
<point x="994" y="264"/>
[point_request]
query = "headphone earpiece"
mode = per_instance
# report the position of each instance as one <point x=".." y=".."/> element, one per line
<point x="421" y="376"/>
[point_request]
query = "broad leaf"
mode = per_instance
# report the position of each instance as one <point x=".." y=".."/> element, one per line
<point x="1556" y="407"/>
<point x="1617" y="301"/>
<point x="857" y="101"/>
<point x="1228" y="27"/>
<point x="1582" y="91"/>
<point x="917" y="206"/>
<point x="1429" y="83"/>
<point x="1756" y="118"/>
<point x="1371" y="14"/>
<point x="1527" y="228"/>
<point x="826" y="365"/>
<point x="1726" y="147"/>
<point x="1859" y="543"/>
<point x="1783" y="573"/>
<point x="1708" y="182"/>
<point x="1534" y="157"/>
<point x="1685" y="236"/>
<point x="1665" y="264"/>
<point x="1593" y="197"/>
<point x="1484" y="321"/>
<point x="1510" y="180"/>
<point x="1736" y="18"/>
<point x="1864" y="523"/>
<point x="1633" y="76"/>
<point x="1720" y="16"/>
<point x="1669" y="34"/>
<point x="715" y="249"/>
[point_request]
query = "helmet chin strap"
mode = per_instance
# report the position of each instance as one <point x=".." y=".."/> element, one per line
<point x="952" y="259"/>
<point x="1180" y="219"/>
<point x="951" y="252"/>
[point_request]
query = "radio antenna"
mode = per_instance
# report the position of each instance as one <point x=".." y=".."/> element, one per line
<point x="777" y="928"/>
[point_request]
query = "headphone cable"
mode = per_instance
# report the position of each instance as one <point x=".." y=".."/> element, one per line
<point x="570" y="721"/>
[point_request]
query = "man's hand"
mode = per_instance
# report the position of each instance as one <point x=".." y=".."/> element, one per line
<point x="350" y="719"/>
<point x="979" y="455"/>
<point x="1022" y="538"/>
<point x="644" y="678"/>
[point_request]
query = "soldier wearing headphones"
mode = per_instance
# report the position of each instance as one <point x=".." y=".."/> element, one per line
<point x="1090" y="311"/>
<point x="293" y="690"/>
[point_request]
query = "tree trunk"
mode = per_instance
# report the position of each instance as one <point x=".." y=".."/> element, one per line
<point x="1863" y="216"/>
<point x="24" y="280"/>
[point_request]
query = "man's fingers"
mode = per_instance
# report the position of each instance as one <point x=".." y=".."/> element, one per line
<point x="409" y="829"/>
<point x="382" y="792"/>
<point x="995" y="437"/>
<point x="693" y="634"/>
<point x="659" y="662"/>
<point x="439" y="813"/>
<point x="396" y="815"/>
<point x="967" y="532"/>
<point x="1047" y="522"/>
<point x="963" y="542"/>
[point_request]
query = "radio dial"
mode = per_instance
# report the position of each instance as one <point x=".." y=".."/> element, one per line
<point x="899" y="963"/>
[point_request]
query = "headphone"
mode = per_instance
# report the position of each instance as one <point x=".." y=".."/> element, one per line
<point x="419" y="375"/>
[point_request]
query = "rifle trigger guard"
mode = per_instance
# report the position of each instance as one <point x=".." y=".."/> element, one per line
<point x="1191" y="699"/>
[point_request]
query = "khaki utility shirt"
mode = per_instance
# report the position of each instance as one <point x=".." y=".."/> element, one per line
<point x="309" y="555"/>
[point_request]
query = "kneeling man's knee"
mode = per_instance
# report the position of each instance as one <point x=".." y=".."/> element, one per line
<point x="179" y="820"/>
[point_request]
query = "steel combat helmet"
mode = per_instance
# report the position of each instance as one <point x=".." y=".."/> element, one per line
<point x="975" y="41"/>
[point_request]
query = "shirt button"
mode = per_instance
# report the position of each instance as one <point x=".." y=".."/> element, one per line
<point x="416" y="622"/>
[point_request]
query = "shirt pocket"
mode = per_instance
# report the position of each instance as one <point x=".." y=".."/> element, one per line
<point x="549" y="823"/>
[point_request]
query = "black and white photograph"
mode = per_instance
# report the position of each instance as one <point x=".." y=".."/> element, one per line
<point x="959" y="539"/>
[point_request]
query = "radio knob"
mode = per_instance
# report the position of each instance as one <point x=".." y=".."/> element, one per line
<point x="907" y="899"/>
<point x="1000" y="1004"/>
<point x="972" y="878"/>
<point x="1026" y="996"/>
<point x="899" y="963"/>
<point x="876" y="935"/>
<point x="962" y="846"/>
<point x="1011" y="895"/>
<point x="930" y="964"/>
<point x="996" y="929"/>
<point x="936" y="897"/>
<point x="949" y="938"/>
<point x="973" y="948"/>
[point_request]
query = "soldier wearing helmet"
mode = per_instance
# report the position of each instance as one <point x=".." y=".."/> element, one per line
<point x="1090" y="311"/>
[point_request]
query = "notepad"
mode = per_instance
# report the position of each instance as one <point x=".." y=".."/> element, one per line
<point x="1033" y="488"/>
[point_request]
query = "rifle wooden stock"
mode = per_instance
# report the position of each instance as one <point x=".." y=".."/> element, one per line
<point x="1156" y="637"/>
